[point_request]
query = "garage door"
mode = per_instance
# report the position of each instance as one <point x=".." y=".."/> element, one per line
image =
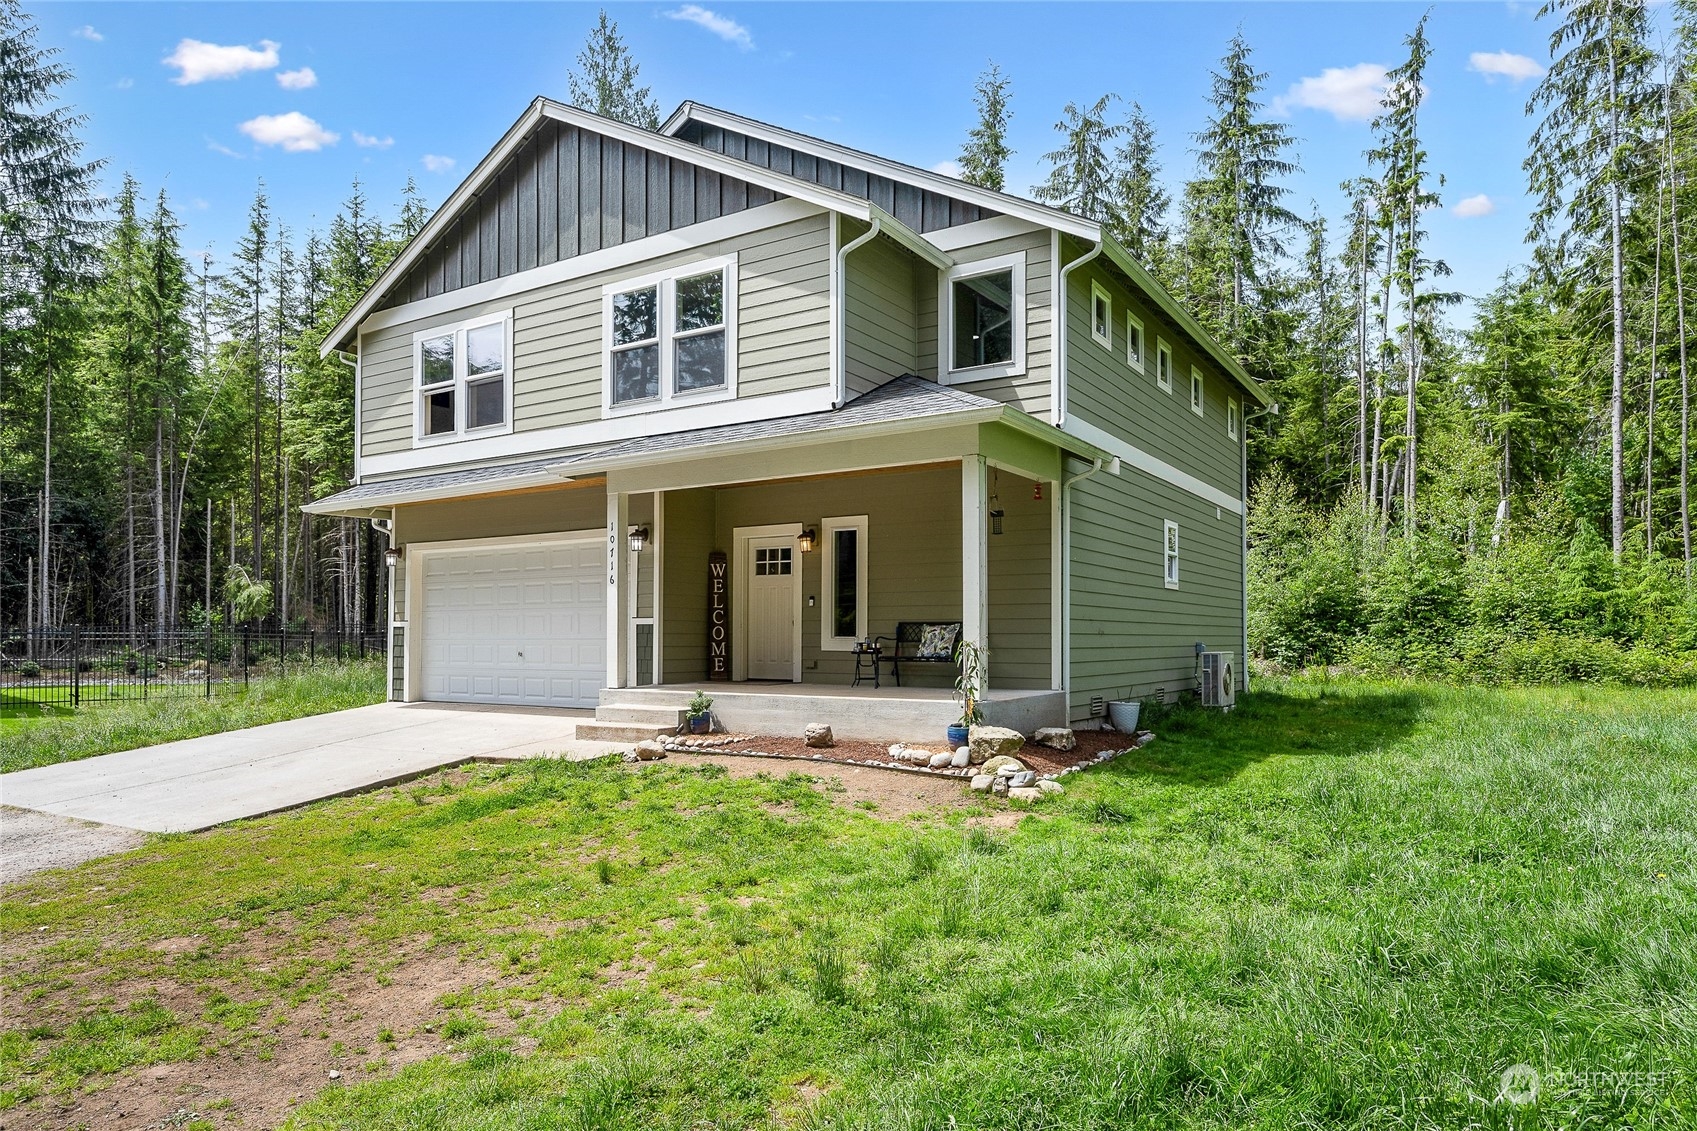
<point x="515" y="624"/>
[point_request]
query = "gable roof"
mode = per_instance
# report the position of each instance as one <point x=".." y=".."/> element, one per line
<point x="1005" y="203"/>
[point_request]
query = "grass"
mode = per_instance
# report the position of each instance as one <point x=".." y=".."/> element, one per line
<point x="1343" y="905"/>
<point x="33" y="736"/>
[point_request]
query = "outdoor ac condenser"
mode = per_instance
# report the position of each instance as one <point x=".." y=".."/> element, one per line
<point x="1219" y="681"/>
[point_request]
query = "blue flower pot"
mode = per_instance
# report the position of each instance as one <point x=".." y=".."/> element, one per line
<point x="958" y="733"/>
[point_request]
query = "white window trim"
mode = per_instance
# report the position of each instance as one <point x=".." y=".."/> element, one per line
<point x="1134" y="335"/>
<point x="461" y="433"/>
<point x="1169" y="553"/>
<point x="1232" y="416"/>
<point x="1163" y="372"/>
<point x="666" y="283"/>
<point x="1015" y="365"/>
<point x="828" y="587"/>
<point x="1098" y="291"/>
<point x="1198" y="391"/>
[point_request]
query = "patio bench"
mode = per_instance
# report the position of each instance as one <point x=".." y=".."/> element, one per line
<point x="923" y="642"/>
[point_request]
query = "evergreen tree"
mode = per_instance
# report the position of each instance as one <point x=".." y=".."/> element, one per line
<point x="1139" y="220"/>
<point x="605" y="79"/>
<point x="984" y="157"/>
<point x="1081" y="172"/>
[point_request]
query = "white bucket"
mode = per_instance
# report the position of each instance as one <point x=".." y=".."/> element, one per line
<point x="1122" y="713"/>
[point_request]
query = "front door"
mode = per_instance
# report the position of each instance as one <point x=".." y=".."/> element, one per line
<point x="774" y="581"/>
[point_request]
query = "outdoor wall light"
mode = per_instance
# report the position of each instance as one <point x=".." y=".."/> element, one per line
<point x="392" y="557"/>
<point x="996" y="519"/>
<point x="638" y="539"/>
<point x="806" y="539"/>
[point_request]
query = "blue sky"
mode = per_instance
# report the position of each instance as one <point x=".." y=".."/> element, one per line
<point x="207" y="98"/>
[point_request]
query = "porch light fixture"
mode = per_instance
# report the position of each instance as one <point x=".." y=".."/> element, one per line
<point x="638" y="539"/>
<point x="806" y="539"/>
<point x="392" y="557"/>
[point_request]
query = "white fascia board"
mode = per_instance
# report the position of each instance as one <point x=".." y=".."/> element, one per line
<point x="401" y="496"/>
<point x="778" y="443"/>
<point x="895" y="170"/>
<point x="510" y="141"/>
<point x="1023" y="421"/>
<point x="912" y="240"/>
<point x="1129" y="455"/>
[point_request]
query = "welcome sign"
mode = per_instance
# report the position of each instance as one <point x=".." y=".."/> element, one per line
<point x="718" y="617"/>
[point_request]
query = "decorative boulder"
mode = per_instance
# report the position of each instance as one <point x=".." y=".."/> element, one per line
<point x="995" y="765"/>
<point x="818" y="734"/>
<point x="1056" y="738"/>
<point x="1025" y="793"/>
<point x="1050" y="785"/>
<point x="983" y="782"/>
<point x="991" y="742"/>
<point x="648" y="750"/>
<point x="961" y="758"/>
<point x="940" y="759"/>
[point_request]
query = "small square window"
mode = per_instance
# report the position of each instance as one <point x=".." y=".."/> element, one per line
<point x="1135" y="350"/>
<point x="1170" y="552"/>
<point x="1101" y="315"/>
<point x="1163" y="365"/>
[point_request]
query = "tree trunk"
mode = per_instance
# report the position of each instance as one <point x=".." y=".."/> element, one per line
<point x="44" y="604"/>
<point x="1413" y="411"/>
<point x="1617" y="283"/>
<point x="161" y="608"/>
<point x="1361" y="379"/>
<point x="1684" y="371"/>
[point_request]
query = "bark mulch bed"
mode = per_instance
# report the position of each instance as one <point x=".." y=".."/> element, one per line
<point x="1094" y="747"/>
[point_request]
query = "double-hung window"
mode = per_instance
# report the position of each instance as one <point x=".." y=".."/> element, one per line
<point x="845" y="583"/>
<point x="671" y="337"/>
<point x="463" y="379"/>
<point x="1169" y="550"/>
<point x="1196" y="390"/>
<point x="983" y="313"/>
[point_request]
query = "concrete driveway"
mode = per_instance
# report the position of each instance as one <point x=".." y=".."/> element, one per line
<point x="201" y="782"/>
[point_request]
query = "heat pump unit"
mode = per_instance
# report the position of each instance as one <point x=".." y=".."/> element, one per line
<point x="1219" y="680"/>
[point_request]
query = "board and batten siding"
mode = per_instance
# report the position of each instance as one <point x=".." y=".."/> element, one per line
<point x="565" y="192"/>
<point x="1103" y="388"/>
<point x="881" y="314"/>
<point x="1130" y="634"/>
<point x="1028" y="391"/>
<point x="782" y="328"/>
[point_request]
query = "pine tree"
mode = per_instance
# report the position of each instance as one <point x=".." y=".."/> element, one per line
<point x="1581" y="167"/>
<point x="1081" y="172"/>
<point x="605" y="79"/>
<point x="1139" y="220"/>
<point x="984" y="157"/>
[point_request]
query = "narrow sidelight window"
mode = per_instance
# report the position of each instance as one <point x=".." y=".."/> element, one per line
<point x="1134" y="347"/>
<point x="1163" y="366"/>
<point x="1101" y="316"/>
<point x="1231" y="418"/>
<point x="845" y="583"/>
<point x="1170" y="552"/>
<point x="1196" y="390"/>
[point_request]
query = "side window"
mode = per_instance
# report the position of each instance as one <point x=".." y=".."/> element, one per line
<point x="670" y="337"/>
<point x="845" y="581"/>
<point x="982" y="306"/>
<point x="1196" y="390"/>
<point x="1101" y="315"/>
<point x="1163" y="365"/>
<point x="1135" y="350"/>
<point x="1169" y="552"/>
<point x="462" y="377"/>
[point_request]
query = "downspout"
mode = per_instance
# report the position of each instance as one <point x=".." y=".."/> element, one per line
<point x="386" y="527"/>
<point x="1058" y="381"/>
<point x="840" y="393"/>
<point x="1243" y="530"/>
<point x="1065" y="612"/>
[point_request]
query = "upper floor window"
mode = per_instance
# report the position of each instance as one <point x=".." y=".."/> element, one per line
<point x="1135" y="349"/>
<point x="1163" y="365"/>
<point x="462" y="374"/>
<point x="1231" y="418"/>
<point x="1101" y="315"/>
<point x="1196" y="390"/>
<point x="671" y="336"/>
<point x="983" y="308"/>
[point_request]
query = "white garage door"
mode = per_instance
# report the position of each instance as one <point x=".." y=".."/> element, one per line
<point x="516" y="624"/>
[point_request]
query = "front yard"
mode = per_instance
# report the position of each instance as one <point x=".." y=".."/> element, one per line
<point x="1343" y="905"/>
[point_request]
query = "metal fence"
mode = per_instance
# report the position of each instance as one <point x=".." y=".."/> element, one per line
<point x="72" y="666"/>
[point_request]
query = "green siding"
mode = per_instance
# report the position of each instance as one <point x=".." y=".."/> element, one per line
<point x="1020" y="559"/>
<point x="1029" y="390"/>
<point x="504" y="516"/>
<point x="881" y="312"/>
<point x="1131" y="634"/>
<point x="687" y="540"/>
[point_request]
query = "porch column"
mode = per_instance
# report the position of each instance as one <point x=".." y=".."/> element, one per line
<point x="618" y="588"/>
<point x="974" y="553"/>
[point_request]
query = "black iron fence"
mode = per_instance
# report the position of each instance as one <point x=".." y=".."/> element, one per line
<point x="72" y="666"/>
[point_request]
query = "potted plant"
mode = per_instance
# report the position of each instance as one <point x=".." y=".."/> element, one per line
<point x="700" y="714"/>
<point x="969" y="692"/>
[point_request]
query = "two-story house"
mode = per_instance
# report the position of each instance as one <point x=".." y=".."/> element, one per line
<point x="639" y="408"/>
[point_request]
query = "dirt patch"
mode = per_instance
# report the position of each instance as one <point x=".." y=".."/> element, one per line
<point x="882" y="793"/>
<point x="1045" y="760"/>
<point x="32" y="842"/>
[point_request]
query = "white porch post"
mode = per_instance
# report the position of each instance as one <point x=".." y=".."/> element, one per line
<point x="618" y="592"/>
<point x="974" y="553"/>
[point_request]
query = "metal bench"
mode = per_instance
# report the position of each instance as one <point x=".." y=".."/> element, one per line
<point x="910" y="635"/>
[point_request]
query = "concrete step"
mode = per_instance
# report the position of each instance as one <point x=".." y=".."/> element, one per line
<point x="623" y="734"/>
<point x="665" y="717"/>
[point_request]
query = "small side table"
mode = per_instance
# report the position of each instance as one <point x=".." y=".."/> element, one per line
<point x="867" y="653"/>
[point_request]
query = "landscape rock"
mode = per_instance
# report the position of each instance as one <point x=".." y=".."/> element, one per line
<point x="999" y="786"/>
<point x="991" y="742"/>
<point x="961" y="758"/>
<point x="898" y="753"/>
<point x="940" y="759"/>
<point x="996" y="764"/>
<point x="1049" y="785"/>
<point x="1056" y="738"/>
<point x="1023" y="779"/>
<point x="983" y="782"/>
<point x="648" y="750"/>
<point x="1025" y="793"/>
<point x="818" y="734"/>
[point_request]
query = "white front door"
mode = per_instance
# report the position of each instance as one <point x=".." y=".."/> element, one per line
<point x="774" y="585"/>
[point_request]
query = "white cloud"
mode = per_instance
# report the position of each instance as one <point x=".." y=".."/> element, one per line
<point x="294" y="131"/>
<point x="196" y="61"/>
<point x="437" y="163"/>
<point x="1503" y="64"/>
<point x="370" y="141"/>
<point x="1480" y="205"/>
<point x="724" y="27"/>
<point x="303" y="79"/>
<point x="1350" y="94"/>
<point x="947" y="168"/>
<point x="87" y="32"/>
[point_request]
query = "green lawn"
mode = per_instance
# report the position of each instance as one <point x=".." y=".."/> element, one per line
<point x="1343" y="905"/>
<point x="33" y="736"/>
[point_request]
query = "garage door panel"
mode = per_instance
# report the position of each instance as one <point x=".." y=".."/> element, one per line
<point x="515" y="625"/>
